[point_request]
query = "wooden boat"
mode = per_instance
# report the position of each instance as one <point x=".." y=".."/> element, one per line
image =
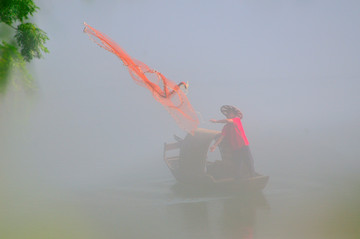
<point x="186" y="159"/>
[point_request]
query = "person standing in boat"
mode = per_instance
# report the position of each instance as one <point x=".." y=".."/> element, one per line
<point x="233" y="140"/>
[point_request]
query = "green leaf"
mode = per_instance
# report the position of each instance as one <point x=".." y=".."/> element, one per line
<point x="7" y="53"/>
<point x="11" y="59"/>
<point x="13" y="10"/>
<point x="28" y="42"/>
<point x="31" y="41"/>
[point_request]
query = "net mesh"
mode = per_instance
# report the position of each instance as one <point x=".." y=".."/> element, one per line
<point x="163" y="90"/>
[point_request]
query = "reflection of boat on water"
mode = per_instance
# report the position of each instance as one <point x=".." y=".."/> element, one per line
<point x="233" y="216"/>
<point x="186" y="160"/>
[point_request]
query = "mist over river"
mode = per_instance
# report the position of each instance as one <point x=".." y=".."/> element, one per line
<point x="82" y="156"/>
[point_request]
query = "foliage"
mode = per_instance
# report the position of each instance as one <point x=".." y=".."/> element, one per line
<point x="31" y="40"/>
<point x="26" y="42"/>
<point x="16" y="10"/>
<point x="10" y="59"/>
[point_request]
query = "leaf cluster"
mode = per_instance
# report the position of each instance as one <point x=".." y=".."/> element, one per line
<point x="11" y="58"/>
<point x="26" y="43"/>
<point x="29" y="38"/>
<point x="16" y="10"/>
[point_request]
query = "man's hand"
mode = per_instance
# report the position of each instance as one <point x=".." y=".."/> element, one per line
<point x="213" y="121"/>
<point x="212" y="148"/>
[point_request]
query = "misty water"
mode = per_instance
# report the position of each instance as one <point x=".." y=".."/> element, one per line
<point x="82" y="155"/>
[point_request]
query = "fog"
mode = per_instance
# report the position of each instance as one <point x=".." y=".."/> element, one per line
<point x="292" y="67"/>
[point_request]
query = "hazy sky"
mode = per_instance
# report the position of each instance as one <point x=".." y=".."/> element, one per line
<point x="288" y="65"/>
<point x="278" y="57"/>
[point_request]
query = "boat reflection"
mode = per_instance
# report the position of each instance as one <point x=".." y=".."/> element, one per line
<point x="203" y="214"/>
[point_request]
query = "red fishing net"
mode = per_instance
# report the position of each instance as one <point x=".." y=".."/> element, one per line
<point x="164" y="90"/>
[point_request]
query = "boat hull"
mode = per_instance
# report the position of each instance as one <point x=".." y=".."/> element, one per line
<point x="189" y="166"/>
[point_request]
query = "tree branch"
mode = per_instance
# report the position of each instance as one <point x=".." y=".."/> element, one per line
<point x="8" y="24"/>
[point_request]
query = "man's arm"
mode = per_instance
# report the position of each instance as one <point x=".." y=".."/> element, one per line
<point x="223" y="121"/>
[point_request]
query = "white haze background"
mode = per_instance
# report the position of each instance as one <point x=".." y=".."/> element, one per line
<point x="292" y="67"/>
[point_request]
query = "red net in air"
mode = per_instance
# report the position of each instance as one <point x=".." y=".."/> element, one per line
<point x="164" y="90"/>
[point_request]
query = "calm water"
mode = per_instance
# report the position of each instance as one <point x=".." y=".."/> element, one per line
<point x="314" y="194"/>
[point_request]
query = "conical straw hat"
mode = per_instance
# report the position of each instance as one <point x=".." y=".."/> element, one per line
<point x="226" y="109"/>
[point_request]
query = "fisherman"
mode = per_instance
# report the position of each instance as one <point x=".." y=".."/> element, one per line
<point x="233" y="141"/>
